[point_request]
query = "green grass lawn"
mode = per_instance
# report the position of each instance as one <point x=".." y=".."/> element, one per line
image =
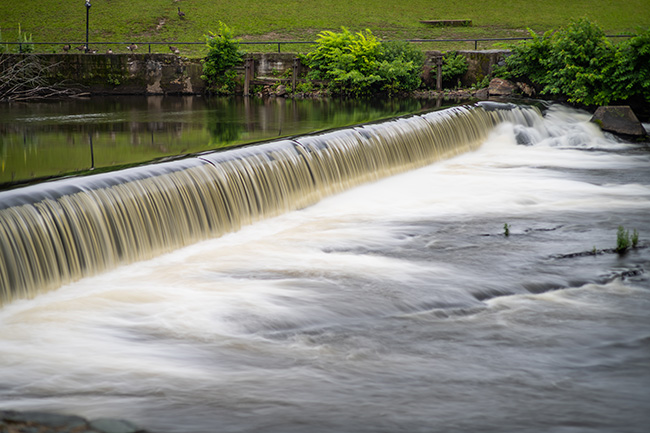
<point x="140" y="21"/>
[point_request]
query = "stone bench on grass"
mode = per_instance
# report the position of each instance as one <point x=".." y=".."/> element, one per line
<point x="448" y="23"/>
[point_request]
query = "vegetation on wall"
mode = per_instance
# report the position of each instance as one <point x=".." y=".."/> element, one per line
<point x="224" y="55"/>
<point x="454" y="66"/>
<point x="580" y="63"/>
<point x="359" y="64"/>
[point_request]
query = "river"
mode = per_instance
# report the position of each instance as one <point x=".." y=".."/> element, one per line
<point x="397" y="306"/>
<point x="57" y="138"/>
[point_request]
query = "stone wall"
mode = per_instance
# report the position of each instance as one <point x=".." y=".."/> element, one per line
<point x="480" y="64"/>
<point x="124" y="73"/>
<point x="171" y="74"/>
<point x="272" y="64"/>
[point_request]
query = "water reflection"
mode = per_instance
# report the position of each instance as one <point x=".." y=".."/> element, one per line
<point x="54" y="138"/>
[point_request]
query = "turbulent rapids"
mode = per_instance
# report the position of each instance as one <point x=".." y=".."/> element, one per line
<point x="54" y="233"/>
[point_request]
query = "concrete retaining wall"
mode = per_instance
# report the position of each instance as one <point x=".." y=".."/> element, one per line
<point x="171" y="74"/>
<point x="124" y="73"/>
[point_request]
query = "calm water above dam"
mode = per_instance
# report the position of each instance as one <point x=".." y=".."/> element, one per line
<point x="71" y="136"/>
<point x="395" y="306"/>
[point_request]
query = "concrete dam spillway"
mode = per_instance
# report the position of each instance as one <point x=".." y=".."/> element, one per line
<point x="58" y="232"/>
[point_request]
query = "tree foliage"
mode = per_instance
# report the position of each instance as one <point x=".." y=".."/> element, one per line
<point x="223" y="55"/>
<point x="580" y="62"/>
<point x="359" y="64"/>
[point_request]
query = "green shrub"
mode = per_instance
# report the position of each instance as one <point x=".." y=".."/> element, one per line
<point x="3" y="48"/>
<point x="629" y="71"/>
<point x="622" y="239"/>
<point x="223" y="55"/>
<point x="635" y="238"/>
<point x="348" y="60"/>
<point x="26" y="45"/>
<point x="400" y="66"/>
<point x="579" y="62"/>
<point x="358" y="64"/>
<point x="454" y="66"/>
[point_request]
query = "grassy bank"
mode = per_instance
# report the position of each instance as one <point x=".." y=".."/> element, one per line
<point x="281" y="20"/>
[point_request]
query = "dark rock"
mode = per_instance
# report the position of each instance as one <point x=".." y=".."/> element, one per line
<point x="281" y="90"/>
<point x="499" y="87"/>
<point x="619" y="120"/>
<point x="42" y="418"/>
<point x="42" y="422"/>
<point x="107" y="425"/>
<point x="458" y="94"/>
<point x="482" y="93"/>
<point x="526" y="89"/>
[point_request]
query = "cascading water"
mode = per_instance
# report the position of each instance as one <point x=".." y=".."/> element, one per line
<point x="59" y="232"/>
<point x="398" y="305"/>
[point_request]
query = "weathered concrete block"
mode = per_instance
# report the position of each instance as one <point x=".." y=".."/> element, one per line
<point x="448" y="23"/>
<point x="272" y="64"/>
<point x="480" y="64"/>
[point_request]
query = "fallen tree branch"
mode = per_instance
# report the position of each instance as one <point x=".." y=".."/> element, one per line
<point x="28" y="78"/>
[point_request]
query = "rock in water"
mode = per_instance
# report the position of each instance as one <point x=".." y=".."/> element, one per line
<point x="106" y="425"/>
<point x="499" y="87"/>
<point x="619" y="120"/>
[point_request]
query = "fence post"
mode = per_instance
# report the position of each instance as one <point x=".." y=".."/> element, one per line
<point x="439" y="73"/>
<point x="249" y="71"/>
<point x="296" y="72"/>
<point x="92" y="152"/>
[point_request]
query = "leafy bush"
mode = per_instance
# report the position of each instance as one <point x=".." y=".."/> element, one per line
<point x="358" y="64"/>
<point x="454" y="66"/>
<point x="348" y="60"/>
<point x="26" y="45"/>
<point x="400" y="66"/>
<point x="630" y="71"/>
<point x="223" y="55"/>
<point x="579" y="62"/>
<point x="622" y="239"/>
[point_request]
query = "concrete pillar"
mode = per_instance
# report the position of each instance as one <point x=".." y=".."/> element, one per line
<point x="295" y="73"/>
<point x="249" y="73"/>
<point x="439" y="73"/>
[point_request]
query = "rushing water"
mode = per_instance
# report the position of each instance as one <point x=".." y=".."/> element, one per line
<point x="397" y="306"/>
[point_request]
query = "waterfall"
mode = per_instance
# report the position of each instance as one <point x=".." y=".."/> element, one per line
<point x="57" y="232"/>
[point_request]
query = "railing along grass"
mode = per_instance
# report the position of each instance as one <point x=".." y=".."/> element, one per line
<point x="198" y="49"/>
<point x="290" y="20"/>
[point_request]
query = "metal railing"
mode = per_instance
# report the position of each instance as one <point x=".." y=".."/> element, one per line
<point x="278" y="43"/>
